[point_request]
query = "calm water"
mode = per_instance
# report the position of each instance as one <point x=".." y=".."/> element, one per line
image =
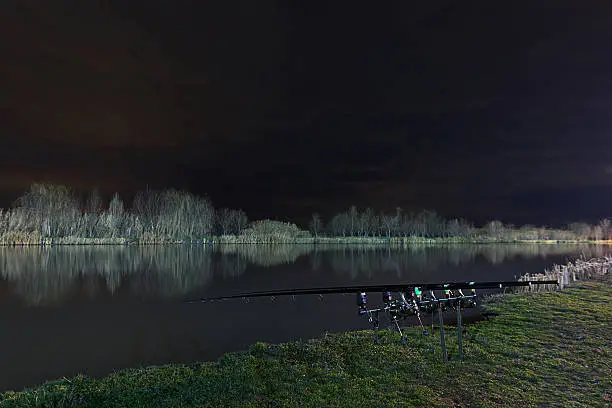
<point x="92" y="310"/>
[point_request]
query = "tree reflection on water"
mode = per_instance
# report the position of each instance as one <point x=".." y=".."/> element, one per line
<point x="47" y="275"/>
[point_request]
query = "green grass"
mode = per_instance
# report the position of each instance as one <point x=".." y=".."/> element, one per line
<point x="544" y="350"/>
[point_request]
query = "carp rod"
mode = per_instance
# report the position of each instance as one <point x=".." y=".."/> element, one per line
<point x="403" y="287"/>
<point x="413" y="299"/>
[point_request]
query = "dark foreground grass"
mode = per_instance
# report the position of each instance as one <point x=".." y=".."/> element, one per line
<point x="544" y="350"/>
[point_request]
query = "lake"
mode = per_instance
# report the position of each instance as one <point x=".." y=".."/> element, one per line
<point x="92" y="310"/>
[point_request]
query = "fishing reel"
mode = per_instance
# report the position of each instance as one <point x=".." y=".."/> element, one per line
<point x="467" y="301"/>
<point x="448" y="294"/>
<point x="405" y="306"/>
<point x="362" y="302"/>
<point x="423" y="303"/>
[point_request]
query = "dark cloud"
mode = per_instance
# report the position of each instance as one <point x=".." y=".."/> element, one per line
<point x="476" y="109"/>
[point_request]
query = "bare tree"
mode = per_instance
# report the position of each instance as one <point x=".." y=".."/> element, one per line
<point x="353" y="214"/>
<point x="3" y="221"/>
<point x="375" y="225"/>
<point x="241" y="221"/>
<point x="339" y="225"/>
<point x="454" y="228"/>
<point x="230" y="221"/>
<point x="51" y="210"/>
<point x="606" y="228"/>
<point x="581" y="230"/>
<point x="115" y="216"/>
<point x="389" y="224"/>
<point x="224" y="221"/>
<point x="94" y="202"/>
<point x="597" y="233"/>
<point x="367" y="222"/>
<point x="147" y="207"/>
<point x="495" y="229"/>
<point x="316" y="225"/>
<point x="406" y="225"/>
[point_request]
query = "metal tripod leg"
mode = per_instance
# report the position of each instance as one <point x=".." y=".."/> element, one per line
<point x="442" y="339"/>
<point x="432" y="321"/>
<point x="375" y="323"/>
<point x="459" y="333"/>
<point x="425" y="333"/>
<point x="399" y="330"/>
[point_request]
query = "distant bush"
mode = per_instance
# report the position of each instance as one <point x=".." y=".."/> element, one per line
<point x="270" y="231"/>
<point x="20" y="238"/>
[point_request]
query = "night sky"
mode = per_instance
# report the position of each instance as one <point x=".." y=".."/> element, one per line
<point x="480" y="109"/>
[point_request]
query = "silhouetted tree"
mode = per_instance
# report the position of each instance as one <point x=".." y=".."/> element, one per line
<point x="606" y="228"/>
<point x="580" y="229"/>
<point x="495" y="229"/>
<point x="114" y="217"/>
<point x="94" y="202"/>
<point x="339" y="225"/>
<point x="353" y="219"/>
<point x="389" y="224"/>
<point x="48" y="209"/>
<point x="224" y="221"/>
<point x="231" y="221"/>
<point x="315" y="225"/>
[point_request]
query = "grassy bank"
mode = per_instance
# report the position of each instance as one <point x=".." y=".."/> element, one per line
<point x="545" y="349"/>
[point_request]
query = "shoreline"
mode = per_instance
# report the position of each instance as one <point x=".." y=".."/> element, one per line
<point x="238" y="240"/>
<point x="533" y="353"/>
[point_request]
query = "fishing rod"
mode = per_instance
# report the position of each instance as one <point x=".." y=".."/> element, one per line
<point x="411" y="299"/>
<point x="404" y="287"/>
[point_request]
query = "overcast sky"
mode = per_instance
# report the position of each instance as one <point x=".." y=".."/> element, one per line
<point x="481" y="109"/>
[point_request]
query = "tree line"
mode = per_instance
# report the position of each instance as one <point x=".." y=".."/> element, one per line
<point x="52" y="211"/>
<point x="428" y="224"/>
<point x="48" y="211"/>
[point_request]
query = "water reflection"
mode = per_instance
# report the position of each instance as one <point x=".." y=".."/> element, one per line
<point x="48" y="275"/>
<point x="98" y="323"/>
